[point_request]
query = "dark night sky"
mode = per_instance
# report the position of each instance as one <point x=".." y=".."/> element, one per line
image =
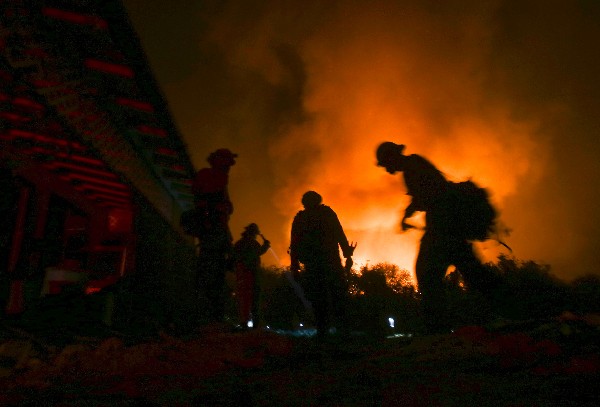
<point x="505" y="92"/>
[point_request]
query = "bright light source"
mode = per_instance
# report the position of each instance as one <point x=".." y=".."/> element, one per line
<point x="391" y="322"/>
<point x="250" y="324"/>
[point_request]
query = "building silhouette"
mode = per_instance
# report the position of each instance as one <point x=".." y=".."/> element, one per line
<point x="93" y="171"/>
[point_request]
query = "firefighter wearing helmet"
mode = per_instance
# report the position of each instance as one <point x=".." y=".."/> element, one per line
<point x="441" y="245"/>
<point x="214" y="207"/>
<point x="246" y="253"/>
<point x="316" y="239"/>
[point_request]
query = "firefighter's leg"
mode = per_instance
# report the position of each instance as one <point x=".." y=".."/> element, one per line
<point x="214" y="289"/>
<point x="432" y="263"/>
<point x="475" y="274"/>
<point x="479" y="279"/>
<point x="318" y="294"/>
<point x="255" y="301"/>
<point x="340" y="301"/>
<point x="244" y="293"/>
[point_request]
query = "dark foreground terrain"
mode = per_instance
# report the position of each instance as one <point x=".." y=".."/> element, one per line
<point x="555" y="362"/>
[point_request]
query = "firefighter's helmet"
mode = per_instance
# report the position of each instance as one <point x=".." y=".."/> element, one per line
<point x="223" y="156"/>
<point x="387" y="151"/>
<point x="311" y="199"/>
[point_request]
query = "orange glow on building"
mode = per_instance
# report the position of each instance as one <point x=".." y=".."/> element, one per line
<point x="135" y="104"/>
<point x="76" y="18"/>
<point x="110" y="68"/>
<point x="150" y="130"/>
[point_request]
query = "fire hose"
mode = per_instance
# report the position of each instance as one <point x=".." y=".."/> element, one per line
<point x="293" y="283"/>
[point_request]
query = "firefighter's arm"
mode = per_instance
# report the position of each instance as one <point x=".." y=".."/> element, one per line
<point x="409" y="212"/>
<point x="227" y="204"/>
<point x="294" y="265"/>
<point x="264" y="247"/>
<point x="348" y="249"/>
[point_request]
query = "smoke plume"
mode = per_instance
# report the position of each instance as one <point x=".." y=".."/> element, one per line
<point x="502" y="92"/>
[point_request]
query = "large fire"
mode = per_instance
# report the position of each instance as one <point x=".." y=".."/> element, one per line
<point x="371" y="87"/>
<point x="305" y="91"/>
<point x="369" y="203"/>
<point x="368" y="200"/>
<point x="353" y="103"/>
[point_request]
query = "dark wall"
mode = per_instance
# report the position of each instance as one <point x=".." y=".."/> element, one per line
<point x="9" y="195"/>
<point x="163" y="283"/>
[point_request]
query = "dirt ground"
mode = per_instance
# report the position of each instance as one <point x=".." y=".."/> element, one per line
<point x="555" y="362"/>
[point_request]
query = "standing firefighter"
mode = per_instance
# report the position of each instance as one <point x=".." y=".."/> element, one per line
<point x="212" y="212"/>
<point x="246" y="255"/>
<point x="316" y="238"/>
<point x="456" y="215"/>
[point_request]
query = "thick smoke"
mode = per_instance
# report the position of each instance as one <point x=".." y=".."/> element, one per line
<point x="501" y="92"/>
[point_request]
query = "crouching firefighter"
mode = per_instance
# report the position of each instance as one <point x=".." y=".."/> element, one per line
<point x="456" y="214"/>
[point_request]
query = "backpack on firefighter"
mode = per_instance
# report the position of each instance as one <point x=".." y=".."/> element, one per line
<point x="474" y="215"/>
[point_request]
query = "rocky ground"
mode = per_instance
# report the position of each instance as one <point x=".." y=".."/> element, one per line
<point x="554" y="362"/>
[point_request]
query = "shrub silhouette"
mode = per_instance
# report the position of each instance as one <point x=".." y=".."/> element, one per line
<point x="381" y="292"/>
<point x="523" y="290"/>
<point x="528" y="290"/>
<point x="586" y="294"/>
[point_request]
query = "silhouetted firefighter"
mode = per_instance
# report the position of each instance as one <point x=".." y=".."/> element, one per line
<point x="246" y="254"/>
<point x="209" y="221"/>
<point x="456" y="215"/>
<point x="316" y="238"/>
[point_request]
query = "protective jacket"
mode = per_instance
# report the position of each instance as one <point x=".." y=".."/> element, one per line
<point x="424" y="182"/>
<point x="317" y="235"/>
<point x="210" y="191"/>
